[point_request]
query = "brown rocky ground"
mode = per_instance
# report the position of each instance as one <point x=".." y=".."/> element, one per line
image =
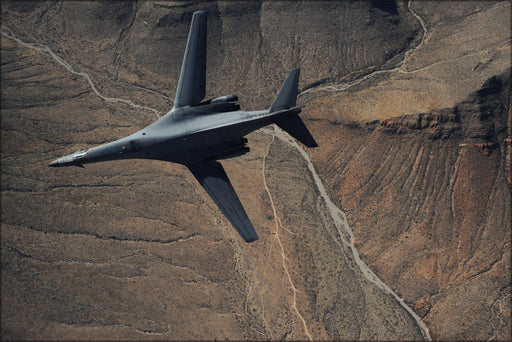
<point x="429" y="203"/>
<point x="137" y="250"/>
<point x="416" y="157"/>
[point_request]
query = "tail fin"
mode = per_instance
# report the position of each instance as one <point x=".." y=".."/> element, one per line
<point x="287" y="97"/>
<point x="290" y="121"/>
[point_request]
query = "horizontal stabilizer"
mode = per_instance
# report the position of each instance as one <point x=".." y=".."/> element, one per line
<point x="293" y="125"/>
<point x="287" y="97"/>
<point x="213" y="178"/>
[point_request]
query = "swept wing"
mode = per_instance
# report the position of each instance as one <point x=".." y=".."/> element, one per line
<point x="213" y="178"/>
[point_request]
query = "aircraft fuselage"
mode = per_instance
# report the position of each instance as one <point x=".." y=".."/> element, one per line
<point x="184" y="135"/>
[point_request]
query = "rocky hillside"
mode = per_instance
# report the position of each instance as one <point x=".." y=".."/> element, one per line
<point x="428" y="199"/>
<point x="410" y="104"/>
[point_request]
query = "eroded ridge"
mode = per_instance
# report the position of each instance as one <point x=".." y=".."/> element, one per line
<point x="402" y="65"/>
<point x="398" y="68"/>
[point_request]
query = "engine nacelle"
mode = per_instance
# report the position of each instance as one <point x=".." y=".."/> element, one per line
<point x="221" y="99"/>
<point x="225" y="98"/>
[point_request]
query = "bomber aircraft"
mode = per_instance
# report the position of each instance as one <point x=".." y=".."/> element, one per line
<point x="198" y="133"/>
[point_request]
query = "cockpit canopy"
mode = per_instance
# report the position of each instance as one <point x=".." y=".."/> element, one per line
<point x="79" y="154"/>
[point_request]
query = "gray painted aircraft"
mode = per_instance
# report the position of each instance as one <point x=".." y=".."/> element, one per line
<point x="198" y="133"/>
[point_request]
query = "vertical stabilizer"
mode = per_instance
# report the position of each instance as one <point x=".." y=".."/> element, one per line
<point x="287" y="97"/>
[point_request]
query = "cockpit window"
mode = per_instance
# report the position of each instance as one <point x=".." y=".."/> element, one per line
<point x="80" y="155"/>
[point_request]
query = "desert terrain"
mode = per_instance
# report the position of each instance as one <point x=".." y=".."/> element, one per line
<point x="397" y="227"/>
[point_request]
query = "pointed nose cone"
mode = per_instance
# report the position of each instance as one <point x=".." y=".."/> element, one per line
<point x="54" y="163"/>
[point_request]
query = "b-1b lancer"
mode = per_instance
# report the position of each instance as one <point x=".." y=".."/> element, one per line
<point x="198" y="133"/>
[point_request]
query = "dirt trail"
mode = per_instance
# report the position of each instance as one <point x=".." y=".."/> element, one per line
<point x="278" y="238"/>
<point x="343" y="228"/>
<point x="398" y="68"/>
<point x="401" y="67"/>
<point x="69" y="68"/>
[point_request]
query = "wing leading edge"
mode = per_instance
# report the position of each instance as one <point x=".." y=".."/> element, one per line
<point x="213" y="178"/>
<point x="192" y="84"/>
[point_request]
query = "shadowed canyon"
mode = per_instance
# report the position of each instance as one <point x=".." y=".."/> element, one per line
<point x="397" y="227"/>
